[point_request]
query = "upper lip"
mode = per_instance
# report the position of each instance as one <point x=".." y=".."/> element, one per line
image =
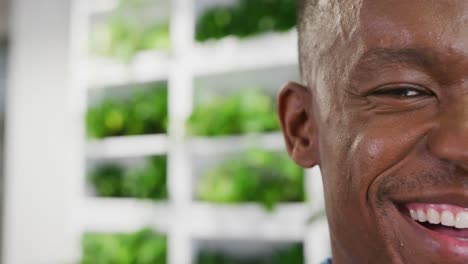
<point x="457" y="198"/>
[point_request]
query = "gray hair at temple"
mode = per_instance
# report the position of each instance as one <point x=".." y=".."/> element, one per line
<point x="323" y="26"/>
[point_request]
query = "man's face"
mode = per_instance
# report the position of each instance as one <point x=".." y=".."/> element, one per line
<point x="390" y="134"/>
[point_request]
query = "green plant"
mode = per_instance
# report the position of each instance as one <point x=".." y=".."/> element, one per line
<point x="142" y="247"/>
<point x="123" y="34"/>
<point x="107" y="180"/>
<point x="292" y="255"/>
<point x="107" y="119"/>
<point x="147" y="182"/>
<point x="247" y="18"/>
<point x="145" y="112"/>
<point x="245" y="111"/>
<point x="148" y="112"/>
<point x="255" y="176"/>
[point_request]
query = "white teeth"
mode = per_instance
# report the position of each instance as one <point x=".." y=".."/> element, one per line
<point x="447" y="218"/>
<point x="433" y="216"/>
<point x="421" y="216"/>
<point x="413" y="214"/>
<point x="462" y="220"/>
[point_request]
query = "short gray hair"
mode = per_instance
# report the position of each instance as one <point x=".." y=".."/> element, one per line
<point x="322" y="25"/>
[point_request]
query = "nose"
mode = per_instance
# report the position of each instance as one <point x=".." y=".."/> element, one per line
<point x="449" y="140"/>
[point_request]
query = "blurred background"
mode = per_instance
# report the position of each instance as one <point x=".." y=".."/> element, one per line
<point x="145" y="132"/>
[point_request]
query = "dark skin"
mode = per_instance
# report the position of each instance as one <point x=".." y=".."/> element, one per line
<point x="386" y="118"/>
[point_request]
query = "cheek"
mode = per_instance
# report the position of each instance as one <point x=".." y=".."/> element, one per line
<point x="358" y="150"/>
<point x="384" y="147"/>
<point x="362" y="154"/>
<point x="357" y="153"/>
<point x="375" y="149"/>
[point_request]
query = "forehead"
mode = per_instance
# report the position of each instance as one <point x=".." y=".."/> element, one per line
<point x="429" y="24"/>
<point x="432" y="31"/>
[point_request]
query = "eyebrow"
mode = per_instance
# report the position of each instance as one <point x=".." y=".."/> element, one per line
<point x="379" y="58"/>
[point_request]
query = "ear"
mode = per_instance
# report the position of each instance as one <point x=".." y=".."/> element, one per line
<point x="295" y="112"/>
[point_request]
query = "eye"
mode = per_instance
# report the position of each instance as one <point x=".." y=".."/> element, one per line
<point x="402" y="92"/>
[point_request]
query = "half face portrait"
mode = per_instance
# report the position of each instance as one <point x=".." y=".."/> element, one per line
<point x="383" y="111"/>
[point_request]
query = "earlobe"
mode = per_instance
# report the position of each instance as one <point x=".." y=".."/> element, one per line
<point x="298" y="124"/>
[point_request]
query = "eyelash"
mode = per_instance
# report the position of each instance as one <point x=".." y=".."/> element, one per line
<point x="402" y="92"/>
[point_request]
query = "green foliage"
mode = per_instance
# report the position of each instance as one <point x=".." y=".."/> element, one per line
<point x="107" y="180"/>
<point x="256" y="176"/>
<point x="246" y="111"/>
<point x="122" y="35"/>
<point x="142" y="247"/>
<point x="292" y="255"/>
<point x="147" y="182"/>
<point x="107" y="119"/>
<point x="246" y="19"/>
<point x="146" y="112"/>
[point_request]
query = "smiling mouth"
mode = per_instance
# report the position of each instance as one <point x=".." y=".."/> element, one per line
<point x="449" y="221"/>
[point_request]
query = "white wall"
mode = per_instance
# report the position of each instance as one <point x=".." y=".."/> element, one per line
<point x="39" y="135"/>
